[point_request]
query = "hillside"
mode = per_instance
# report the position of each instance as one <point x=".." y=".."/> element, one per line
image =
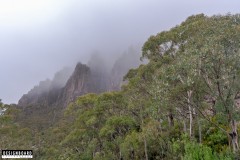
<point x="43" y="105"/>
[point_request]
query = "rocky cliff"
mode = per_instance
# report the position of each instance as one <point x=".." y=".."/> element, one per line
<point x="82" y="81"/>
<point x="48" y="91"/>
<point x="44" y="103"/>
<point x="95" y="77"/>
<point x="65" y="88"/>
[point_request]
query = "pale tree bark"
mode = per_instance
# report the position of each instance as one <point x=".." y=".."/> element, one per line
<point x="145" y="142"/>
<point x="199" y="130"/>
<point x="184" y="126"/>
<point x="189" y="94"/>
<point x="234" y="136"/>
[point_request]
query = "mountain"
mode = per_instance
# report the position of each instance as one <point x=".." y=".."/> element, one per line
<point x="126" y="61"/>
<point x="48" y="91"/>
<point x="44" y="104"/>
<point x="36" y="95"/>
<point x="68" y="84"/>
<point x="65" y="88"/>
<point x="82" y="81"/>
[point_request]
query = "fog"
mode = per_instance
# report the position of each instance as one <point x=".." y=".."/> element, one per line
<point x="40" y="37"/>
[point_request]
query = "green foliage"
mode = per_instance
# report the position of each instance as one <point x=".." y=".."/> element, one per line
<point x="201" y="152"/>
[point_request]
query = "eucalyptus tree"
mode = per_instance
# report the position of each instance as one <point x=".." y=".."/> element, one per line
<point x="205" y="50"/>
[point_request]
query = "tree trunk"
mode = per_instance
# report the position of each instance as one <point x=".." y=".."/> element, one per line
<point x="132" y="154"/>
<point x="234" y="136"/>
<point x="170" y="119"/>
<point x="120" y="154"/>
<point x="199" y="130"/>
<point x="145" y="143"/>
<point x="184" y="126"/>
<point x="189" y="93"/>
<point x="145" y="148"/>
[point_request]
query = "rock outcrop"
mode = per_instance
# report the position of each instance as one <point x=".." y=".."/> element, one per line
<point x="44" y="104"/>
<point x="48" y="91"/>
<point x="81" y="82"/>
<point x="95" y="77"/>
<point x="36" y="95"/>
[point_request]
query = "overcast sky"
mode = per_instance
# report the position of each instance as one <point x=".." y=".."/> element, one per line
<point x="39" y="37"/>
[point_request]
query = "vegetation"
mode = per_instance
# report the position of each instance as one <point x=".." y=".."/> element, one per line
<point x="183" y="104"/>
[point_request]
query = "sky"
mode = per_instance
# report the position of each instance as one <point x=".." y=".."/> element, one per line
<point x="40" y="37"/>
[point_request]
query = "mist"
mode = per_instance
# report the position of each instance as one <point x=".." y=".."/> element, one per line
<point x="39" y="38"/>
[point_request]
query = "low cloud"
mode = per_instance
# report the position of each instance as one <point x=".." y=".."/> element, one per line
<point x="37" y="42"/>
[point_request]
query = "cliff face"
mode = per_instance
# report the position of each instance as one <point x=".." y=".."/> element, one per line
<point x="44" y="104"/>
<point x="81" y="82"/>
<point x="36" y="95"/>
<point x="67" y="85"/>
<point x="61" y="90"/>
<point x="48" y="91"/>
